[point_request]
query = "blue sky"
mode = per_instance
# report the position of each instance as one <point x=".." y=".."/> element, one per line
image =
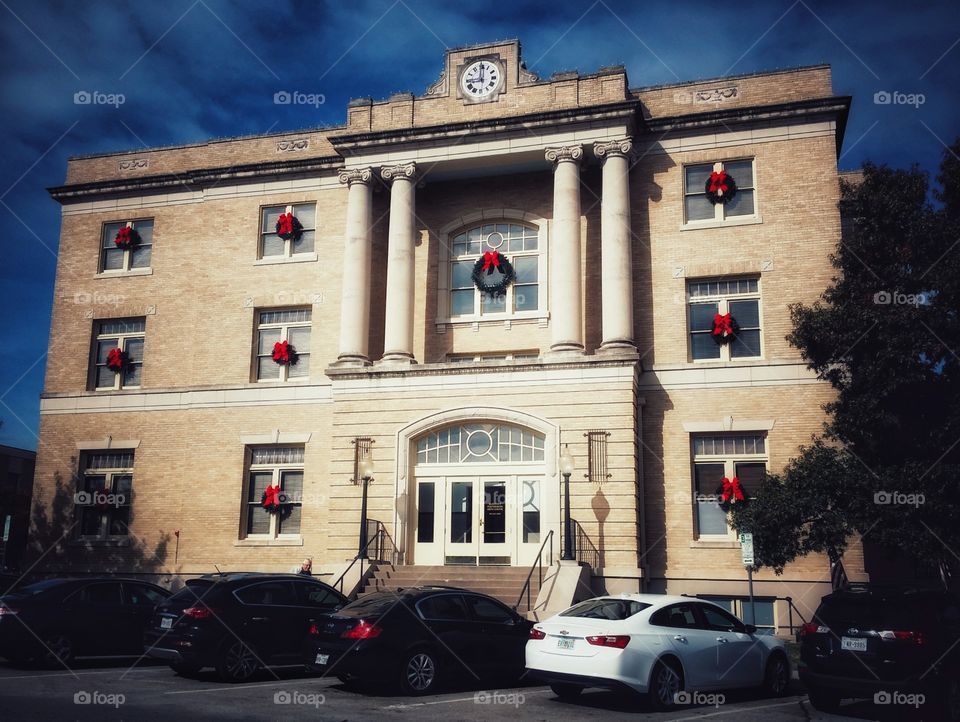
<point x="196" y="69"/>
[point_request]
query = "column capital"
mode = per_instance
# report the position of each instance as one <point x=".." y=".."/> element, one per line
<point x="559" y="153"/>
<point x="620" y="146"/>
<point x="401" y="170"/>
<point x="356" y="175"/>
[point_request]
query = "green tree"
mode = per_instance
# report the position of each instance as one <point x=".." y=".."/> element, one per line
<point x="886" y="336"/>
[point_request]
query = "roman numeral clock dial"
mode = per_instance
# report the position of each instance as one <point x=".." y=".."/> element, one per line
<point x="480" y="80"/>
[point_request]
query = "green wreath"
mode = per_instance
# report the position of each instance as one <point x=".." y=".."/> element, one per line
<point x="485" y="266"/>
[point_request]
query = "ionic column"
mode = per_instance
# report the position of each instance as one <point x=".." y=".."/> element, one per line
<point x="355" y="294"/>
<point x="616" y="265"/>
<point x="398" y="330"/>
<point x="566" y="317"/>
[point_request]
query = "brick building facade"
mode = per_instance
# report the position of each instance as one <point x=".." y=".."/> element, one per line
<point x="595" y="193"/>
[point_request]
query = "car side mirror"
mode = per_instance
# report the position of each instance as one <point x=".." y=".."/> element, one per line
<point x="749" y="629"/>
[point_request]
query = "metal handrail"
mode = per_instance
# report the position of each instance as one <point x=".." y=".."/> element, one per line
<point x="380" y="536"/>
<point x="538" y="565"/>
<point x="584" y="550"/>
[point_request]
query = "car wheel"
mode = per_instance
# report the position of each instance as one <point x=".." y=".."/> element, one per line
<point x="184" y="669"/>
<point x="57" y="650"/>
<point x="776" y="679"/>
<point x="823" y="700"/>
<point x="419" y="672"/>
<point x="238" y="662"/>
<point x="564" y="690"/>
<point x="665" y="683"/>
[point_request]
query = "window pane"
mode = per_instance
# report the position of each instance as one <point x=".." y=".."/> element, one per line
<point x="702" y="346"/>
<point x="751" y="475"/>
<point x="746" y="313"/>
<point x="259" y="480"/>
<point x="526" y="269"/>
<point x="742" y="172"/>
<point x="461" y="302"/>
<point x="270" y="216"/>
<point x="461" y="275"/>
<point x="425" y="512"/>
<point x="526" y="298"/>
<point x="746" y="344"/>
<point x="699" y="208"/>
<point x="300" y="338"/>
<point x="711" y="519"/>
<point x="741" y="205"/>
<point x="306" y="213"/>
<point x="443" y="607"/>
<point x="305" y="244"/>
<point x="493" y="304"/>
<point x="267" y="338"/>
<point x="273" y="245"/>
<point x="140" y="257"/>
<point x="132" y="374"/>
<point x="118" y="521"/>
<point x="105" y="378"/>
<point x="103" y="350"/>
<point x="291" y="482"/>
<point x="145" y="229"/>
<point x="112" y="258"/>
<point x="130" y="325"/>
<point x="695" y="177"/>
<point x="134" y="349"/>
<point x="267" y="369"/>
<point x="301" y="368"/>
<point x="701" y="316"/>
<point x="109" y="233"/>
<point x="290" y="522"/>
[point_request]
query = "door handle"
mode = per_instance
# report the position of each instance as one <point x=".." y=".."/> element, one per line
<point x="679" y="637"/>
<point x="722" y="640"/>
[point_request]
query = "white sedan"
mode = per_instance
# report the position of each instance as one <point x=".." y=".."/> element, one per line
<point x="665" y="647"/>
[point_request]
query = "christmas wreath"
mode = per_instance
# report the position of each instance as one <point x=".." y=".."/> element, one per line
<point x="485" y="266"/>
<point x="730" y="493"/>
<point x="288" y="227"/>
<point x="724" y="328"/>
<point x="273" y="499"/>
<point x="117" y="360"/>
<point x="284" y="353"/>
<point x="126" y="238"/>
<point x="720" y="187"/>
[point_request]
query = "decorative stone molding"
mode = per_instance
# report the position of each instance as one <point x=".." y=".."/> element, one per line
<point x="716" y="95"/>
<point x="527" y="76"/>
<point x="133" y="164"/>
<point x="108" y="443"/>
<point x="727" y="424"/>
<point x="622" y="146"/>
<point x="275" y="437"/>
<point x="439" y="87"/>
<point x="293" y="145"/>
<point x="356" y="175"/>
<point x="401" y="170"/>
<point x="560" y="153"/>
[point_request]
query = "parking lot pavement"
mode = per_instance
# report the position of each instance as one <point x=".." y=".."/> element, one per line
<point x="100" y="692"/>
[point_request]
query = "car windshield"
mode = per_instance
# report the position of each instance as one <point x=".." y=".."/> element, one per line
<point x="195" y="589"/>
<point x="606" y="609"/>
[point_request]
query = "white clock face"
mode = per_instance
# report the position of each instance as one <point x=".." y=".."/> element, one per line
<point x="480" y="79"/>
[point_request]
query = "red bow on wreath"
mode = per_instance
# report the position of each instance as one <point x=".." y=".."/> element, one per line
<point x="285" y="224"/>
<point x="718" y="182"/>
<point x="282" y="351"/>
<point x="116" y="360"/>
<point x="126" y="237"/>
<point x="491" y="260"/>
<point x="722" y="325"/>
<point x="271" y="498"/>
<point x="730" y="491"/>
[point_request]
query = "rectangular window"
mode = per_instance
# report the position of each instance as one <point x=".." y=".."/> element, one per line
<point x="739" y="297"/>
<point x="105" y="493"/>
<point x="477" y="358"/>
<point x="276" y="326"/>
<point x="743" y="456"/>
<point x="698" y="208"/>
<point x="127" y="335"/>
<point x="274" y="466"/>
<point x="531" y="511"/>
<point x="113" y="258"/>
<point x="425" y="511"/>
<point x="764" y="611"/>
<point x="273" y="246"/>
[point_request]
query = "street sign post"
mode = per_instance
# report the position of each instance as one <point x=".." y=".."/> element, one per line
<point x="746" y="554"/>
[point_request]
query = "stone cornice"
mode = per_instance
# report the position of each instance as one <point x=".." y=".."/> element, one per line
<point x="337" y="373"/>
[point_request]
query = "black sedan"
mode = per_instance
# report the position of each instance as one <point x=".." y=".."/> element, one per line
<point x="417" y="639"/>
<point x="56" y="620"/>
<point x="238" y="623"/>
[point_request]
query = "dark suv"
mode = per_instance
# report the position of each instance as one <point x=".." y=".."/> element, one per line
<point x="238" y="623"/>
<point x="897" y="645"/>
<point x="417" y="639"/>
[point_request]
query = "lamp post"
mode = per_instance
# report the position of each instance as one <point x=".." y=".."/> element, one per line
<point x="566" y="468"/>
<point x="366" y="473"/>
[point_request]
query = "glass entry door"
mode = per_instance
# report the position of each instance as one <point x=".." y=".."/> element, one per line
<point x="478" y="521"/>
<point x="496" y="532"/>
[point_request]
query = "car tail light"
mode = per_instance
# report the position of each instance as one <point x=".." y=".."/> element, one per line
<point x="314" y="629"/>
<point x="617" y="641"/>
<point x="537" y="634"/>
<point x="7" y="611"/>
<point x="905" y="636"/>
<point x="813" y="628"/>
<point x="363" y="630"/>
<point x="198" y="612"/>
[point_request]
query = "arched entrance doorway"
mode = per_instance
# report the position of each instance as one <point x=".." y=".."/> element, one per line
<point x="480" y="491"/>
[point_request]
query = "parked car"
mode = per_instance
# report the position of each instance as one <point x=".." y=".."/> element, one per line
<point x="56" y="620"/>
<point x="8" y="581"/>
<point x="874" y="641"/>
<point x="238" y="623"/>
<point x="418" y="639"/>
<point x="656" y="645"/>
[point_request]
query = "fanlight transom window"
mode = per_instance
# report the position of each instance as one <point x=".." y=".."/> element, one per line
<point x="480" y="443"/>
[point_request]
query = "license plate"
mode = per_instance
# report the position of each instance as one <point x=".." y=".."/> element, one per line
<point x="166" y="622"/>
<point x="853" y="645"/>
<point x="564" y="643"/>
<point x="322" y="658"/>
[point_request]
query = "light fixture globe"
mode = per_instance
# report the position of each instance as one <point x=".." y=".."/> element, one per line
<point x="366" y="467"/>
<point x="566" y="462"/>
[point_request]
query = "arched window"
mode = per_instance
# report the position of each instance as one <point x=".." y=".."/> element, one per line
<point x="521" y="244"/>
<point x="480" y="443"/>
